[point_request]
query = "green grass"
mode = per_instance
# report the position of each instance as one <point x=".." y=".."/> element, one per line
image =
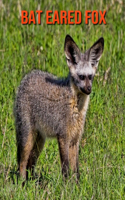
<point x="102" y="149"/>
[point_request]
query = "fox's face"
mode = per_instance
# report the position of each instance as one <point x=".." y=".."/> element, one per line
<point x="83" y="66"/>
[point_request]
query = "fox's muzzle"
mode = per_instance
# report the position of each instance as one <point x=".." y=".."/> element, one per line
<point x="86" y="90"/>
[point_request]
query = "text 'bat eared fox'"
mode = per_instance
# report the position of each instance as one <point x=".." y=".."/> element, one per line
<point x="46" y="106"/>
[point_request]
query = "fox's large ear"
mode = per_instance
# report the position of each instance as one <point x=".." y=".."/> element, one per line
<point x="72" y="51"/>
<point x="95" y="52"/>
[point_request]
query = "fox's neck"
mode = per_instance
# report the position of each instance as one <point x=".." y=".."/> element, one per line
<point x="81" y="100"/>
<point x="64" y="81"/>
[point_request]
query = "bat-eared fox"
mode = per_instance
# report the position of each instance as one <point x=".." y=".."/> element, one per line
<point x="47" y="106"/>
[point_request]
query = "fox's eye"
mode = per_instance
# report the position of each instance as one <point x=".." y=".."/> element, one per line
<point x="82" y="77"/>
<point x="90" y="77"/>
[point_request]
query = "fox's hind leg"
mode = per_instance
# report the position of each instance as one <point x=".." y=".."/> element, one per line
<point x="23" y="152"/>
<point x="34" y="154"/>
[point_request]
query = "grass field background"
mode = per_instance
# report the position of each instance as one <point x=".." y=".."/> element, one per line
<point x="102" y="148"/>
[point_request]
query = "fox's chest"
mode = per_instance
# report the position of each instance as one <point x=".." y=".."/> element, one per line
<point x="78" y="110"/>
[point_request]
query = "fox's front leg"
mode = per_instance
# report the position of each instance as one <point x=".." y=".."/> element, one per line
<point x="64" y="155"/>
<point x="73" y="158"/>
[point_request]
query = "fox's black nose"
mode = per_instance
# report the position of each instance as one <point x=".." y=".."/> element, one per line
<point x="89" y="88"/>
